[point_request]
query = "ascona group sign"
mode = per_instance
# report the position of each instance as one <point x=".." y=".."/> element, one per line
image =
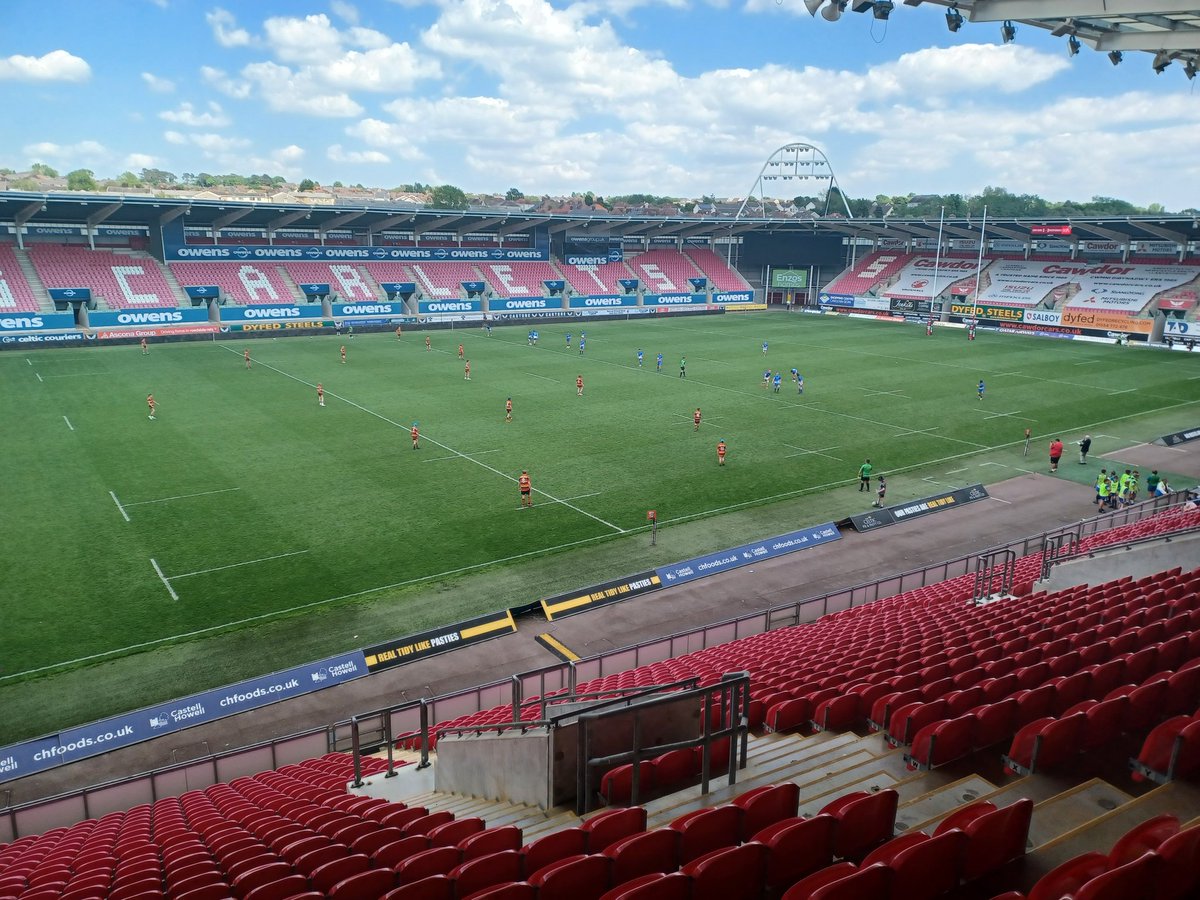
<point x="194" y="253"/>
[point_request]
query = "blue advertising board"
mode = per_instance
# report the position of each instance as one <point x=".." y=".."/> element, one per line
<point x="523" y="304"/>
<point x="70" y="293"/>
<point x="203" y="291"/>
<point x="674" y="299"/>
<point x="37" y="321"/>
<point x="38" y="337"/>
<point x="746" y="554"/>
<point x="315" y="290"/>
<point x="746" y="296"/>
<point x="270" y="313"/>
<point x="398" y="287"/>
<point x="440" y="307"/>
<point x="556" y="285"/>
<point x="826" y="299"/>
<point x="602" y="301"/>
<point x="473" y="287"/>
<point x="373" y="308"/>
<point x="206" y="253"/>
<point x="74" y="744"/>
<point x="147" y="317"/>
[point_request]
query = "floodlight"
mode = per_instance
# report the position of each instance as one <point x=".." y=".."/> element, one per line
<point x="813" y="6"/>
<point x="882" y="9"/>
<point x="1115" y="57"/>
<point x="954" y="19"/>
<point x="1008" y="31"/>
<point x="1072" y="46"/>
<point x="1189" y="69"/>
<point x="1161" y="61"/>
<point x="833" y="11"/>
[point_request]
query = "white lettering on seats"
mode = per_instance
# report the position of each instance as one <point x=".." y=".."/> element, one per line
<point x="255" y="281"/>
<point x="123" y="274"/>
<point x="430" y="289"/>
<point x="504" y="273"/>
<point x="655" y="274"/>
<point x="351" y="282"/>
<point x="7" y="300"/>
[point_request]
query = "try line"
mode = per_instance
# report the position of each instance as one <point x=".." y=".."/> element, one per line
<point x="446" y="447"/>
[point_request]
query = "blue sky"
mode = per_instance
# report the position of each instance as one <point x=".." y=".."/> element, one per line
<point x="678" y="97"/>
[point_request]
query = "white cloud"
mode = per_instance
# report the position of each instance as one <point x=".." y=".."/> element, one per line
<point x="393" y="68"/>
<point x="238" y="90"/>
<point x="285" y="90"/>
<point x="300" y="40"/>
<point x="187" y="115"/>
<point x="225" y="30"/>
<point x="136" y="161"/>
<point x="1006" y="68"/>
<point x="68" y="154"/>
<point x="57" y="65"/>
<point x="345" y="11"/>
<point x="340" y="155"/>
<point x="387" y="136"/>
<point x="158" y="85"/>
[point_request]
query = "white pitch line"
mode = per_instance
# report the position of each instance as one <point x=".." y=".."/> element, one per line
<point x="183" y="496"/>
<point x="1001" y="465"/>
<point x="1194" y="377"/>
<point x="543" y="551"/>
<point x="931" y="481"/>
<point x="956" y="471"/>
<point x="1008" y="416"/>
<point x="565" y="499"/>
<point x="124" y="514"/>
<point x="998" y="500"/>
<point x="543" y="377"/>
<point x="876" y="393"/>
<point x="476" y="453"/>
<point x="39" y="375"/>
<point x="482" y="465"/>
<point x="915" y="431"/>
<point x="248" y="562"/>
<point x="28" y="361"/>
<point x="76" y="374"/>
<point x="163" y="578"/>
<point x="1087" y="362"/>
<point x="1126" y="391"/>
<point x="68" y="421"/>
<point x="804" y="451"/>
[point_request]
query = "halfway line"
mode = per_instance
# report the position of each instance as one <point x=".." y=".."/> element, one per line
<point x="248" y="562"/>
<point x="181" y="496"/>
<point x="163" y="578"/>
<point x="119" y="506"/>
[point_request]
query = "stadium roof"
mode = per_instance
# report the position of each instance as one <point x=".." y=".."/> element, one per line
<point x="72" y="209"/>
<point x="1169" y="29"/>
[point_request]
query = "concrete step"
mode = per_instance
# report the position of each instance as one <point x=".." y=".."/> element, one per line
<point x="1069" y="809"/>
<point x="1102" y="831"/>
<point x="941" y="801"/>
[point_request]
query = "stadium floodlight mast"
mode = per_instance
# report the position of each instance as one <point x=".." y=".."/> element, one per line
<point x="979" y="266"/>
<point x="795" y="162"/>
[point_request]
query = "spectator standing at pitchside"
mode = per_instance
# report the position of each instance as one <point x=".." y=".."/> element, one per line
<point x="864" y="476"/>
<point x="1056" y="449"/>
<point x="1085" y="445"/>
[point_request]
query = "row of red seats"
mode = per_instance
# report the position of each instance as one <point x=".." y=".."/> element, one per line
<point x="1156" y="858"/>
<point x="1052" y="741"/>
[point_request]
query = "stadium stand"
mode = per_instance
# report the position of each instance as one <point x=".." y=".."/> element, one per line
<point x="718" y="272"/>
<point x="870" y="272"/>
<point x="443" y="279"/>
<point x="519" y="279"/>
<point x="16" y="295"/>
<point x="124" y="280"/>
<point x="351" y="283"/>
<point x="245" y="283"/>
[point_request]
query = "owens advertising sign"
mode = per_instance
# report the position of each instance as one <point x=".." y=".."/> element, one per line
<point x="196" y="253"/>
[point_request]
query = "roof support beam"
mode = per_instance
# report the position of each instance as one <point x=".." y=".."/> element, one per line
<point x="1160" y="232"/>
<point x="337" y="221"/>
<point x="102" y="213"/>
<point x="230" y="217"/>
<point x="385" y="224"/>
<point x="285" y="220"/>
<point x="1182" y="39"/>
<point x="1106" y="233"/>
<point x="519" y="225"/>
<point x="420" y="228"/>
<point x="475" y="225"/>
<point x="27" y="212"/>
<point x="173" y="213"/>
<point x="999" y="10"/>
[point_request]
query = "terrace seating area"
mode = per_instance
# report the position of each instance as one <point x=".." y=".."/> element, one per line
<point x="664" y="271"/>
<point x="719" y="273"/>
<point x="868" y="272"/>
<point x="519" y="279"/>
<point x="872" y="663"/>
<point x="444" y="279"/>
<point x="123" y="280"/>
<point x="600" y="279"/>
<point x="349" y="282"/>
<point x="245" y="283"/>
<point x="15" y="293"/>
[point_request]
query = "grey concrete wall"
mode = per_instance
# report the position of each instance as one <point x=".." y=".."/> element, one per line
<point x="507" y="766"/>
<point x="1137" y="562"/>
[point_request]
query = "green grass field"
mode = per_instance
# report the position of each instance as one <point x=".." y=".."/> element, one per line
<point x="284" y="531"/>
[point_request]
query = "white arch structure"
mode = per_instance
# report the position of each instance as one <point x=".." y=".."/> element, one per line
<point x="795" y="162"/>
